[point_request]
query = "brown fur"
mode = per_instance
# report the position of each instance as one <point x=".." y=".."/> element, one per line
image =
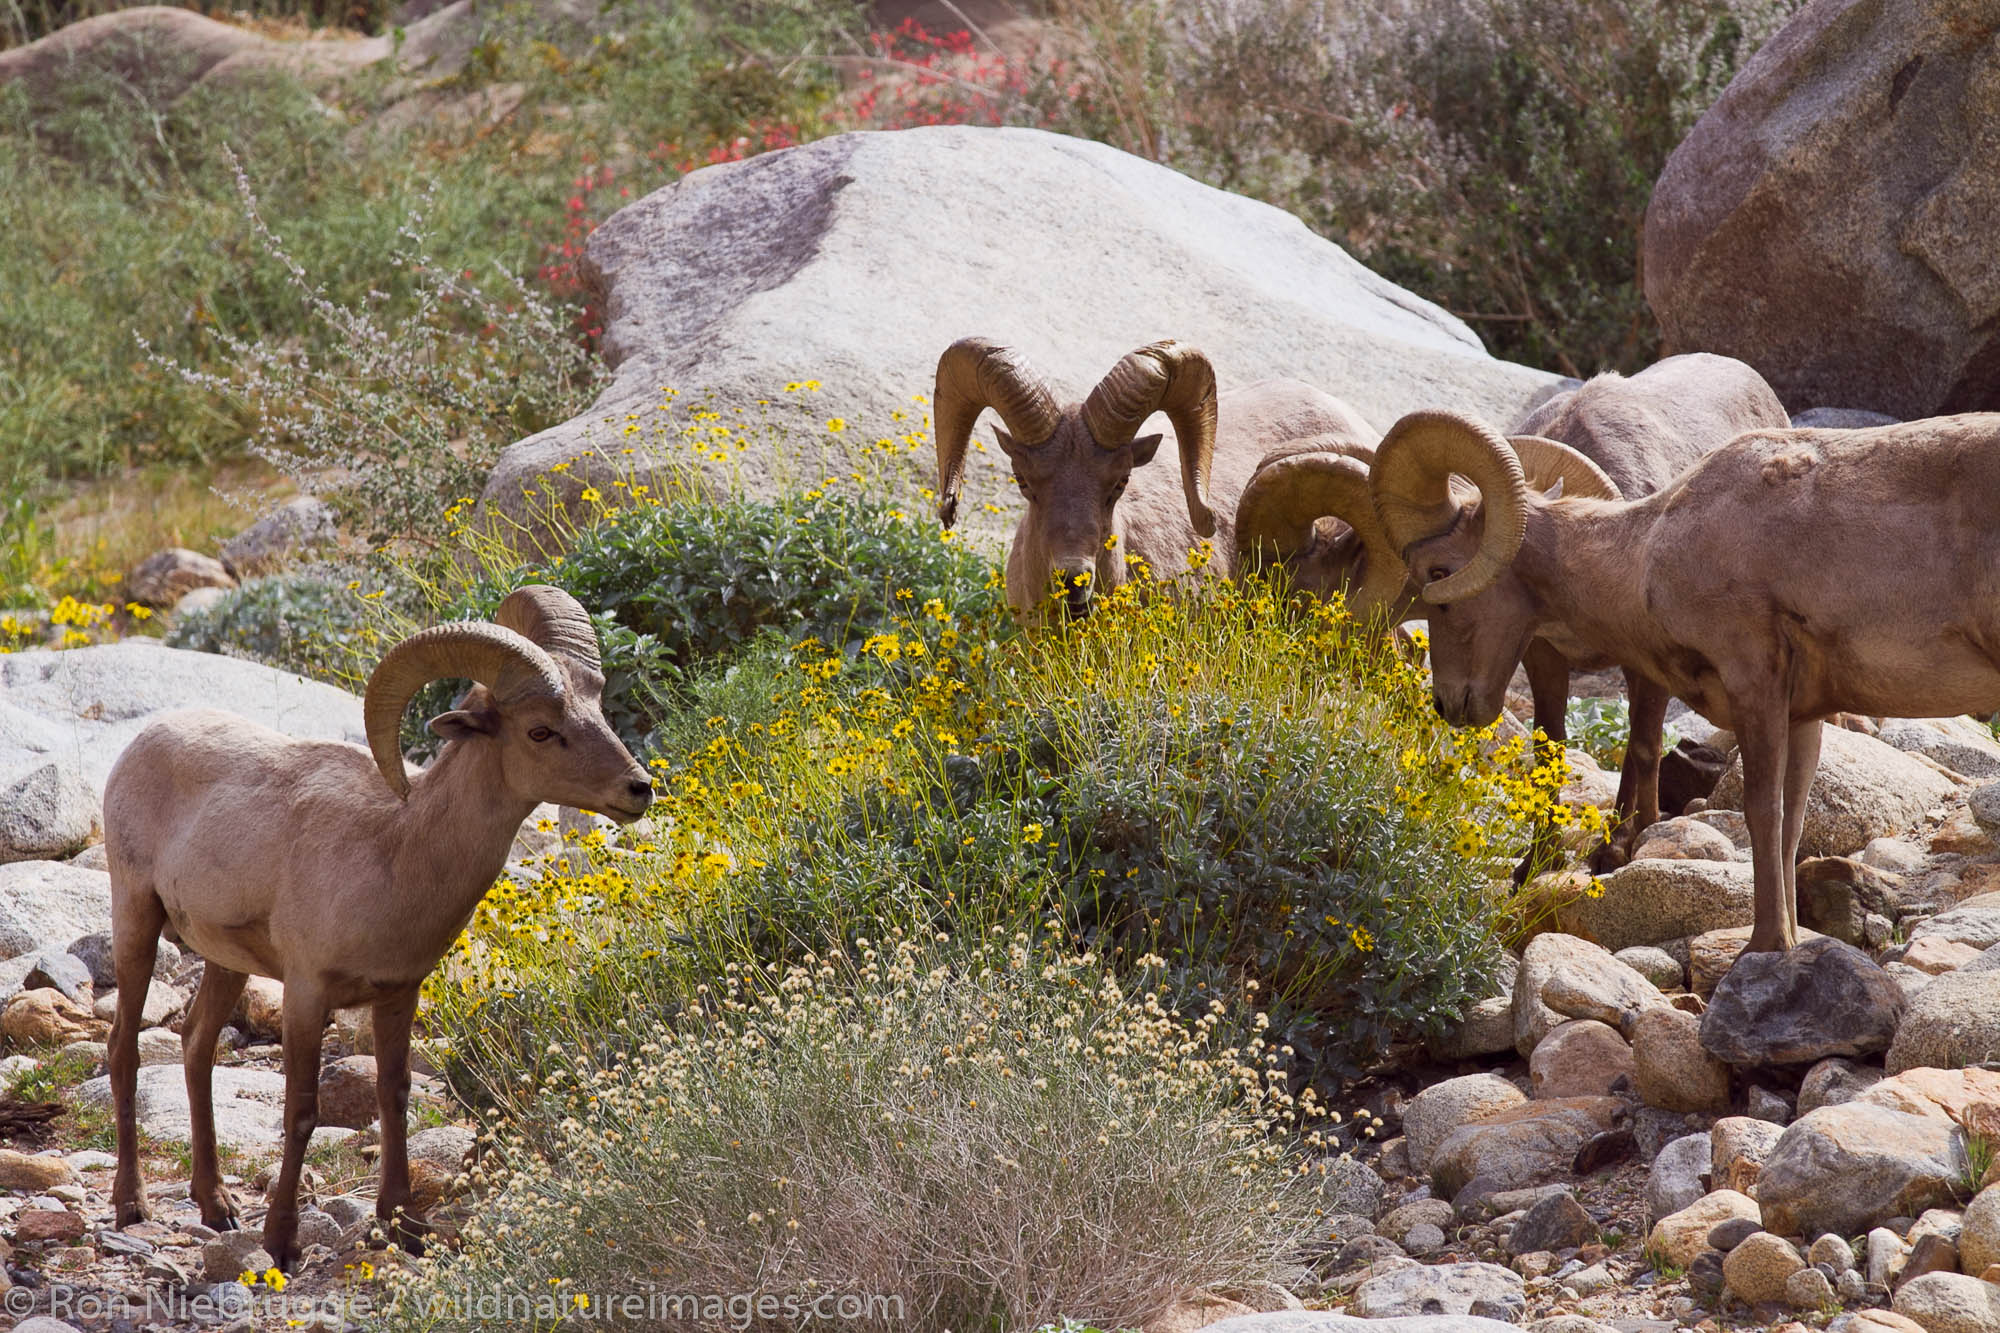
<point x="293" y="859"/>
<point x="1788" y="576"/>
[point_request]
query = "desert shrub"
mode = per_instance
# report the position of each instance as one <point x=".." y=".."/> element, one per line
<point x="920" y="1133"/>
<point x="1601" y="726"/>
<point x="319" y="623"/>
<point x="1495" y="156"/>
<point x="1250" y="793"/>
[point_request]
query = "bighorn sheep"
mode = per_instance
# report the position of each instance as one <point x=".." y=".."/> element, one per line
<point x="1789" y="575"/>
<point x="1627" y="436"/>
<point x="1073" y="464"/>
<point x="328" y="867"/>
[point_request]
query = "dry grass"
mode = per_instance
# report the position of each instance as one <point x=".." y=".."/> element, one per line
<point x="102" y="527"/>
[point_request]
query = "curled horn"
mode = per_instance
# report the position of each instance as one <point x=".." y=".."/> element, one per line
<point x="1170" y="377"/>
<point x="1292" y="491"/>
<point x="552" y="620"/>
<point x="1547" y="462"/>
<point x="972" y="375"/>
<point x="499" y="658"/>
<point x="1411" y="485"/>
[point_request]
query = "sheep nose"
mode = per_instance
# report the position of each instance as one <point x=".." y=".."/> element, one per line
<point x="641" y="789"/>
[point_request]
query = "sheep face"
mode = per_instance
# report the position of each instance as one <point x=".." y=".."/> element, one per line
<point x="555" y="749"/>
<point x="1072" y="486"/>
<point x="1477" y="641"/>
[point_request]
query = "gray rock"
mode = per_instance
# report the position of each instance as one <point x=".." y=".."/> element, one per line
<point x="1650" y="902"/>
<point x="1431" y="1116"/>
<point x="1655" y="965"/>
<point x="1360" y="1251"/>
<point x="1950" y="1303"/>
<point x="1530" y="1144"/>
<point x="348" y="1209"/>
<point x="1756" y="241"/>
<point x="164" y="577"/>
<point x="1892" y="1151"/>
<point x="1897" y="856"/>
<point x="450" y="1148"/>
<point x="46" y="813"/>
<point x="84" y="705"/>
<point x="249" y="1106"/>
<point x="1968" y="924"/>
<point x="1396" y="1223"/>
<point x="1486" y="1290"/>
<point x="94" y="950"/>
<point x="1809" y="1289"/>
<point x="1424" y="1238"/>
<point x="1348" y="1184"/>
<point x="1984" y="806"/>
<point x="1832" y="1251"/>
<point x="1841" y="418"/>
<point x="52" y="902"/>
<point x="1763" y="1104"/>
<point x="1726" y="1236"/>
<point x="1959" y="743"/>
<point x="1678" y="1176"/>
<point x="1837" y="895"/>
<point x="61" y="972"/>
<point x="1954" y="1021"/>
<point x="232" y="1252"/>
<point x="1685" y="840"/>
<point x="950" y="209"/>
<point x="1586" y="976"/>
<point x="1979" y="1231"/>
<point x="1558" y="1222"/>
<point x="1861" y="791"/>
<point x="42" y="1323"/>
<point x="293" y="528"/>
<point x="1823" y="998"/>
<point x="162" y="1002"/>
<point x="1315" y="1321"/>
<point x="1886" y="1253"/>
<point x="1486" y="1029"/>
<point x="1988" y="961"/>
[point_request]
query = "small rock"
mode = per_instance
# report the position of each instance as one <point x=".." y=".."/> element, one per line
<point x="1685" y="840"/>
<point x="233" y="1253"/>
<point x="33" y="1225"/>
<point x="1833" y="1081"/>
<point x="347" y="1209"/>
<point x="1655" y="965"/>
<point x="1979" y="1231"/>
<point x="1930" y="1254"/>
<point x="1893" y="855"/>
<point x="162" y="578"/>
<point x="118" y="1242"/>
<point x="1704" y="1274"/>
<point x="1809" y="1289"/>
<point x="1348" y="1184"/>
<point x="261" y="1011"/>
<point x="1364" y="1250"/>
<point x="1485" y="1290"/>
<point x="1671" y="1069"/>
<point x="1763" y="1104"/>
<point x="1950" y="1303"/>
<point x="62" y="973"/>
<point x="1946" y="1222"/>
<point x="1758" y="1269"/>
<point x="1529" y="1144"/>
<point x="1396" y="1223"/>
<point x="1533" y="1264"/>
<point x="20" y="1171"/>
<point x="1582" y="1058"/>
<point x="162" y="1003"/>
<point x="1679" y="1237"/>
<point x="159" y="1046"/>
<point x="1738" y="1147"/>
<point x="1959" y="743"/>
<point x="1838" y="894"/>
<point x="1423" y="1238"/>
<point x="1832" y="1251"/>
<point x="1679" y="1176"/>
<point x="1954" y="1022"/>
<point x="1198" y="1311"/>
<point x="347" y="1092"/>
<point x="1604" y="1150"/>
<point x="1853" y="1287"/>
<point x="1558" y="1222"/>
<point x="46" y="1017"/>
<point x="1431" y="1116"/>
<point x="94" y="951"/>
<point x="1974" y="922"/>
<point x="1588" y="981"/>
<point x="47" y="813"/>
<point x="297" y="526"/>
<point x="1936" y="956"/>
<point x="1984" y="806"/>
<point x="1726" y="1236"/>
<point x="1886" y="1255"/>
<point x="1874" y="1321"/>
<point x="1823" y="998"/>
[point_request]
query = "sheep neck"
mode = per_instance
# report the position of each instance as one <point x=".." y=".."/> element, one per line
<point x="1582" y="561"/>
<point x="453" y="837"/>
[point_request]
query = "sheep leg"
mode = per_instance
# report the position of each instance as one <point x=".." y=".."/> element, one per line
<point x="1639" y="776"/>
<point x="304" y="1023"/>
<point x="392" y="1097"/>
<point x="1548" y="682"/>
<point x="135" y="943"/>
<point x="1763" y="739"/>
<point x="1801" y="762"/>
<point x="213" y="1001"/>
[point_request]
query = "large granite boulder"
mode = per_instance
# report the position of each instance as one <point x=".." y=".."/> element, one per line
<point x="80" y="707"/>
<point x="854" y="261"/>
<point x="1829" y="220"/>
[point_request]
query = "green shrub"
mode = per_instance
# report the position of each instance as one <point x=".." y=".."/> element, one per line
<point x="315" y="623"/>
<point x="991" y="1135"/>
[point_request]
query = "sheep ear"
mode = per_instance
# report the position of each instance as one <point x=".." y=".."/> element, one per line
<point x="463" y="724"/>
<point x="1005" y="441"/>
<point x="1554" y="492"/>
<point x="1143" y="449"/>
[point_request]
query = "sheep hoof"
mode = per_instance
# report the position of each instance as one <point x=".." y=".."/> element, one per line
<point x="1611" y="856"/>
<point x="129" y="1212"/>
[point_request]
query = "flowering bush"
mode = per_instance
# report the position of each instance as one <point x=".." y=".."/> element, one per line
<point x="915" y="1133"/>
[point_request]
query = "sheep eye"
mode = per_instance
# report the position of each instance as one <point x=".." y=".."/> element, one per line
<point x="1439" y="572"/>
<point x="541" y="734"/>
